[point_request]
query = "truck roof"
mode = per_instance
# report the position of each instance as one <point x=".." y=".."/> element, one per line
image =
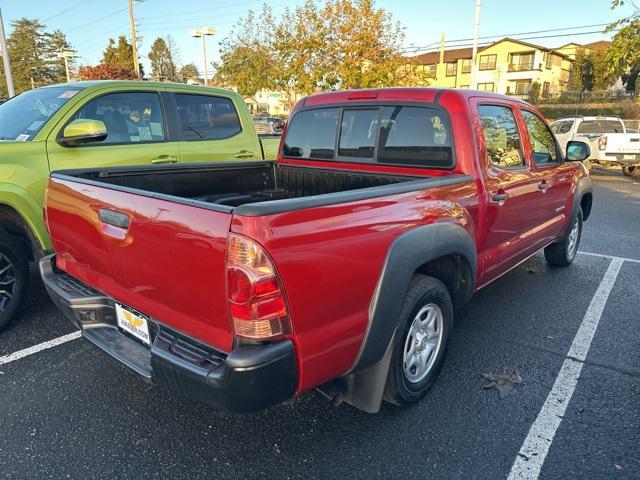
<point x="592" y="117"/>
<point x="98" y="84"/>
<point x="417" y="94"/>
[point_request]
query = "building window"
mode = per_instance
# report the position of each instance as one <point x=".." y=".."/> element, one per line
<point x="486" y="87"/>
<point x="521" y="62"/>
<point x="452" y="69"/>
<point x="431" y="70"/>
<point x="464" y="86"/>
<point x="523" y="87"/>
<point x="466" y="65"/>
<point x="548" y="60"/>
<point x="545" y="89"/>
<point x="488" y="62"/>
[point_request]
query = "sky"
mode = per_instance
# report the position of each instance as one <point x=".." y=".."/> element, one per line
<point x="88" y="24"/>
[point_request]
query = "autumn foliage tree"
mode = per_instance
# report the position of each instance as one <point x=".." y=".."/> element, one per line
<point x="106" y="71"/>
<point x="329" y="45"/>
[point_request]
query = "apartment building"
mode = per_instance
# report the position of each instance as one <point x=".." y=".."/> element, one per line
<point x="507" y="66"/>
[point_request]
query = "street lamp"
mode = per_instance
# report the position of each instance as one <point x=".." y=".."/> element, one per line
<point x="66" y="55"/>
<point x="202" y="33"/>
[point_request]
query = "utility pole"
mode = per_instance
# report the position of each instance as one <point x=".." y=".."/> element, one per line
<point x="476" y="34"/>
<point x="134" y="40"/>
<point x="5" y="60"/>
<point x="66" y="55"/>
<point x="202" y="33"/>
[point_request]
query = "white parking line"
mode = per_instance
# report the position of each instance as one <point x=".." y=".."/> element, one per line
<point x="602" y="255"/>
<point x="12" y="357"/>
<point x="534" y="450"/>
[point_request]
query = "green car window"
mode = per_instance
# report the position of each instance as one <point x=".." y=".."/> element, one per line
<point x="22" y="117"/>
<point x="130" y="117"/>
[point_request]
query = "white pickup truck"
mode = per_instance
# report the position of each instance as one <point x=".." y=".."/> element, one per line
<point x="610" y="142"/>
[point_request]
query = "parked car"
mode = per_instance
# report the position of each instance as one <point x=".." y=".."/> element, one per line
<point x="611" y="143"/>
<point x="278" y="124"/>
<point x="263" y="126"/>
<point x="339" y="266"/>
<point x="100" y="124"/>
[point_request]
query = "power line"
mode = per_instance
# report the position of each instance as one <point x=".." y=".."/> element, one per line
<point x="96" y="20"/>
<point x="510" y="35"/>
<point x="524" y="38"/>
<point x="81" y="2"/>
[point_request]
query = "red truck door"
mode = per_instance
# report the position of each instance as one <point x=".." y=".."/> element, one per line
<point x="553" y="176"/>
<point x="511" y="188"/>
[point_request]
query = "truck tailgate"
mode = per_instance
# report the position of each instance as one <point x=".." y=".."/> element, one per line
<point x="628" y="143"/>
<point x="165" y="259"/>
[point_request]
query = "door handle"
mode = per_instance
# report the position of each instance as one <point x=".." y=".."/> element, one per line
<point x="244" y="154"/>
<point x="543" y="186"/>
<point x="160" y="159"/>
<point x="499" y="197"/>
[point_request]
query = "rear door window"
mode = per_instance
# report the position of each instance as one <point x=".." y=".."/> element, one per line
<point x="399" y="135"/>
<point x="207" y="117"/>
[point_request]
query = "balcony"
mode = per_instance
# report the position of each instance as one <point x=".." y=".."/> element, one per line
<point x="520" y="67"/>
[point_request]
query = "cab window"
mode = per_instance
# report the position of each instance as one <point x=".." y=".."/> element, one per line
<point x="130" y="117"/>
<point x="543" y="144"/>
<point x="502" y="140"/>
<point x="206" y="117"/>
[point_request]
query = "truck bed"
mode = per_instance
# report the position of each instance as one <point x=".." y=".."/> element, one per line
<point x="225" y="186"/>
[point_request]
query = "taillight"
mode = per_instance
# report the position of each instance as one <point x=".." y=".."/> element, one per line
<point x="257" y="305"/>
<point x="602" y="143"/>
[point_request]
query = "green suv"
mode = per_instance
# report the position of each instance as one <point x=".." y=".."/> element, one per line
<point x="100" y="124"/>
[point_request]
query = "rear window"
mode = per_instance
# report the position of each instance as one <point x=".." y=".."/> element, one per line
<point x="399" y="135"/>
<point x="600" y="126"/>
<point x="312" y="134"/>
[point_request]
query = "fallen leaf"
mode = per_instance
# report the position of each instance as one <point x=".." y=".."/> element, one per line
<point x="618" y="467"/>
<point x="505" y="381"/>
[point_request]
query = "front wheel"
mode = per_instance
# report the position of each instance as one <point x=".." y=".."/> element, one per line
<point x="14" y="278"/>
<point x="421" y="341"/>
<point x="631" y="171"/>
<point x="562" y="253"/>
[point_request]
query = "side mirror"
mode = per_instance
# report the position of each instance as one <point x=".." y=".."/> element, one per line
<point x="577" y="151"/>
<point x="82" y="131"/>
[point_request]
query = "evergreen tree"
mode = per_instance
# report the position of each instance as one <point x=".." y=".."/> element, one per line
<point x="120" y="54"/>
<point x="188" y="71"/>
<point x="162" y="64"/>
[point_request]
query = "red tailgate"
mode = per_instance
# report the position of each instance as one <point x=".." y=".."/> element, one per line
<point x="165" y="259"/>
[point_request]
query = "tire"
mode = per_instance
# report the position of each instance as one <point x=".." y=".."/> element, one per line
<point x="14" y="278"/>
<point x="427" y="296"/>
<point x="562" y="253"/>
<point x="631" y="171"/>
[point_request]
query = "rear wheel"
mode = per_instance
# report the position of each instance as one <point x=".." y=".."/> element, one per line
<point x="631" y="171"/>
<point x="420" y="345"/>
<point x="562" y="253"/>
<point x="14" y="278"/>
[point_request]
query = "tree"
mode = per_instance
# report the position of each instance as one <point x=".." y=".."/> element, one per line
<point x="623" y="57"/>
<point x="247" y="55"/>
<point x="591" y="71"/>
<point x="34" y="55"/>
<point x="318" y="46"/>
<point x="162" y="64"/>
<point x="188" y="71"/>
<point x="106" y="71"/>
<point x="120" y="54"/>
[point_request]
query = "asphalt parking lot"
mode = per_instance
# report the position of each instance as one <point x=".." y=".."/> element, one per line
<point x="573" y="335"/>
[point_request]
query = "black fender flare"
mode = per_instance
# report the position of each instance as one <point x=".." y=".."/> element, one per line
<point x="363" y="386"/>
<point x="583" y="187"/>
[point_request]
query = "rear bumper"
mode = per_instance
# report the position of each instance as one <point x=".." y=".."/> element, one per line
<point x="249" y="378"/>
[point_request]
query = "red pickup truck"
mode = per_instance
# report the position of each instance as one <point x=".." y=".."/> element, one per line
<point x="337" y="266"/>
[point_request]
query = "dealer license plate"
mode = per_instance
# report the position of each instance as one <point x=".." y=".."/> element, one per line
<point x="629" y="157"/>
<point x="133" y="323"/>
